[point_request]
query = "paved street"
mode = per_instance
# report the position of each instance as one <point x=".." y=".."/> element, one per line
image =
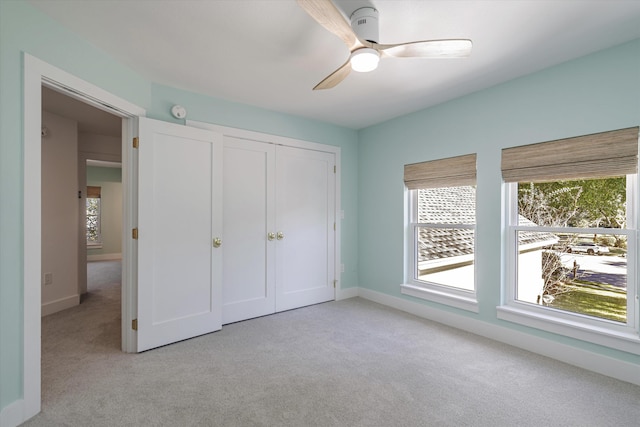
<point x="601" y="269"/>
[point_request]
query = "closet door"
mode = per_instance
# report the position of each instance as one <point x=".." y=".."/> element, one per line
<point x="248" y="202"/>
<point x="305" y="220"/>
<point x="179" y="216"/>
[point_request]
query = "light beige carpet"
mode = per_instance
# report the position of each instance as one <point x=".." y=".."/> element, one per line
<point x="346" y="363"/>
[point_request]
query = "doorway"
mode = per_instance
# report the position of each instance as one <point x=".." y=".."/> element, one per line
<point x="81" y="145"/>
<point x="37" y="74"/>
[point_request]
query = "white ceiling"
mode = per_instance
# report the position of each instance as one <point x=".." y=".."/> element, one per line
<point x="270" y="53"/>
<point x="90" y="119"/>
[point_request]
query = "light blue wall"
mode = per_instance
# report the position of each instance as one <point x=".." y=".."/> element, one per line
<point x="98" y="174"/>
<point x="595" y="93"/>
<point x="206" y="109"/>
<point x="24" y="29"/>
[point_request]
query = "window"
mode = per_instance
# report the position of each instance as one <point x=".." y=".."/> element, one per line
<point x="441" y="232"/>
<point x="572" y="237"/>
<point x="94" y="237"/>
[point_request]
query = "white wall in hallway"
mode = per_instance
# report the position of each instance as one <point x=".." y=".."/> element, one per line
<point x="59" y="213"/>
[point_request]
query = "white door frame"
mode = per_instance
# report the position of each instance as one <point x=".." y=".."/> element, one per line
<point x="36" y="74"/>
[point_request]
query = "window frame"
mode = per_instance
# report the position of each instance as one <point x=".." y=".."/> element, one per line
<point x="625" y="337"/>
<point x="430" y="291"/>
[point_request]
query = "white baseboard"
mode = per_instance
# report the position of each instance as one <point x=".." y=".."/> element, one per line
<point x="601" y="364"/>
<point x="104" y="257"/>
<point x="346" y="293"/>
<point x="60" y="304"/>
<point x="13" y="414"/>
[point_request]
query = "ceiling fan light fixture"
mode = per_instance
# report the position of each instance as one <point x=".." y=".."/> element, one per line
<point x="361" y="38"/>
<point x="365" y="60"/>
<point x="364" y="23"/>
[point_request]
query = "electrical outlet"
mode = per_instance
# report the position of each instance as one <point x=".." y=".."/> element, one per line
<point x="48" y="279"/>
<point x="342" y="268"/>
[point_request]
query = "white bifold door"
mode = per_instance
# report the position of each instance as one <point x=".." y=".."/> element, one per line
<point x="279" y="228"/>
<point x="179" y="233"/>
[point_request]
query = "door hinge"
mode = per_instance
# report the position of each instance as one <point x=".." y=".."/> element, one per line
<point x="334" y="226"/>
<point x="134" y="233"/>
<point x="136" y="141"/>
<point x="334" y="168"/>
<point x="334" y="284"/>
<point x="134" y="324"/>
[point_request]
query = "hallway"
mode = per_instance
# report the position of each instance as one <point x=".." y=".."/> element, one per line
<point x="76" y="341"/>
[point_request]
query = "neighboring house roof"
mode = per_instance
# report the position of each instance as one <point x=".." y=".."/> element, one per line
<point x="439" y="247"/>
<point x="454" y="205"/>
<point x="533" y="240"/>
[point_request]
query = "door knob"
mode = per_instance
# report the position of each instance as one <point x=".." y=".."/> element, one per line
<point x="271" y="236"/>
<point x="280" y="235"/>
<point x="217" y="242"/>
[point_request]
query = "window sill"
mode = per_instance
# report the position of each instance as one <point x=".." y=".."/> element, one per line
<point x="94" y="245"/>
<point x="441" y="297"/>
<point x="620" y="340"/>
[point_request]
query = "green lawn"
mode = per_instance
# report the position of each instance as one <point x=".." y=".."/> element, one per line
<point x="593" y="299"/>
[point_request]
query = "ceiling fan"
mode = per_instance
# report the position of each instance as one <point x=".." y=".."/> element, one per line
<point x="361" y="37"/>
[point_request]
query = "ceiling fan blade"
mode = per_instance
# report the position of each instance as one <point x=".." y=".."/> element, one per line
<point x="336" y="77"/>
<point x="454" y="48"/>
<point x="327" y="15"/>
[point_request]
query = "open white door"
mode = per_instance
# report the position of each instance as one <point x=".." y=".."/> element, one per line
<point x="179" y="222"/>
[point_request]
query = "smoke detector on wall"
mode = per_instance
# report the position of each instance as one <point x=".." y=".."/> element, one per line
<point x="178" y="112"/>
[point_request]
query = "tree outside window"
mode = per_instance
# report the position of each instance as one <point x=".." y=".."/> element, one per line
<point x="584" y="269"/>
<point x="94" y="236"/>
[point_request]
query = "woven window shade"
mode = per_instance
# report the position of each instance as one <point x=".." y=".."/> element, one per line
<point x="93" y="192"/>
<point x="606" y="154"/>
<point x="450" y="172"/>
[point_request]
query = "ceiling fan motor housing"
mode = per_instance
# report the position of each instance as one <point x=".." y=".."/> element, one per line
<point x="364" y="22"/>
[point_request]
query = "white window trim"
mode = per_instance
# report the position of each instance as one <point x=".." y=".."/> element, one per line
<point x="458" y="298"/>
<point x="597" y="331"/>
